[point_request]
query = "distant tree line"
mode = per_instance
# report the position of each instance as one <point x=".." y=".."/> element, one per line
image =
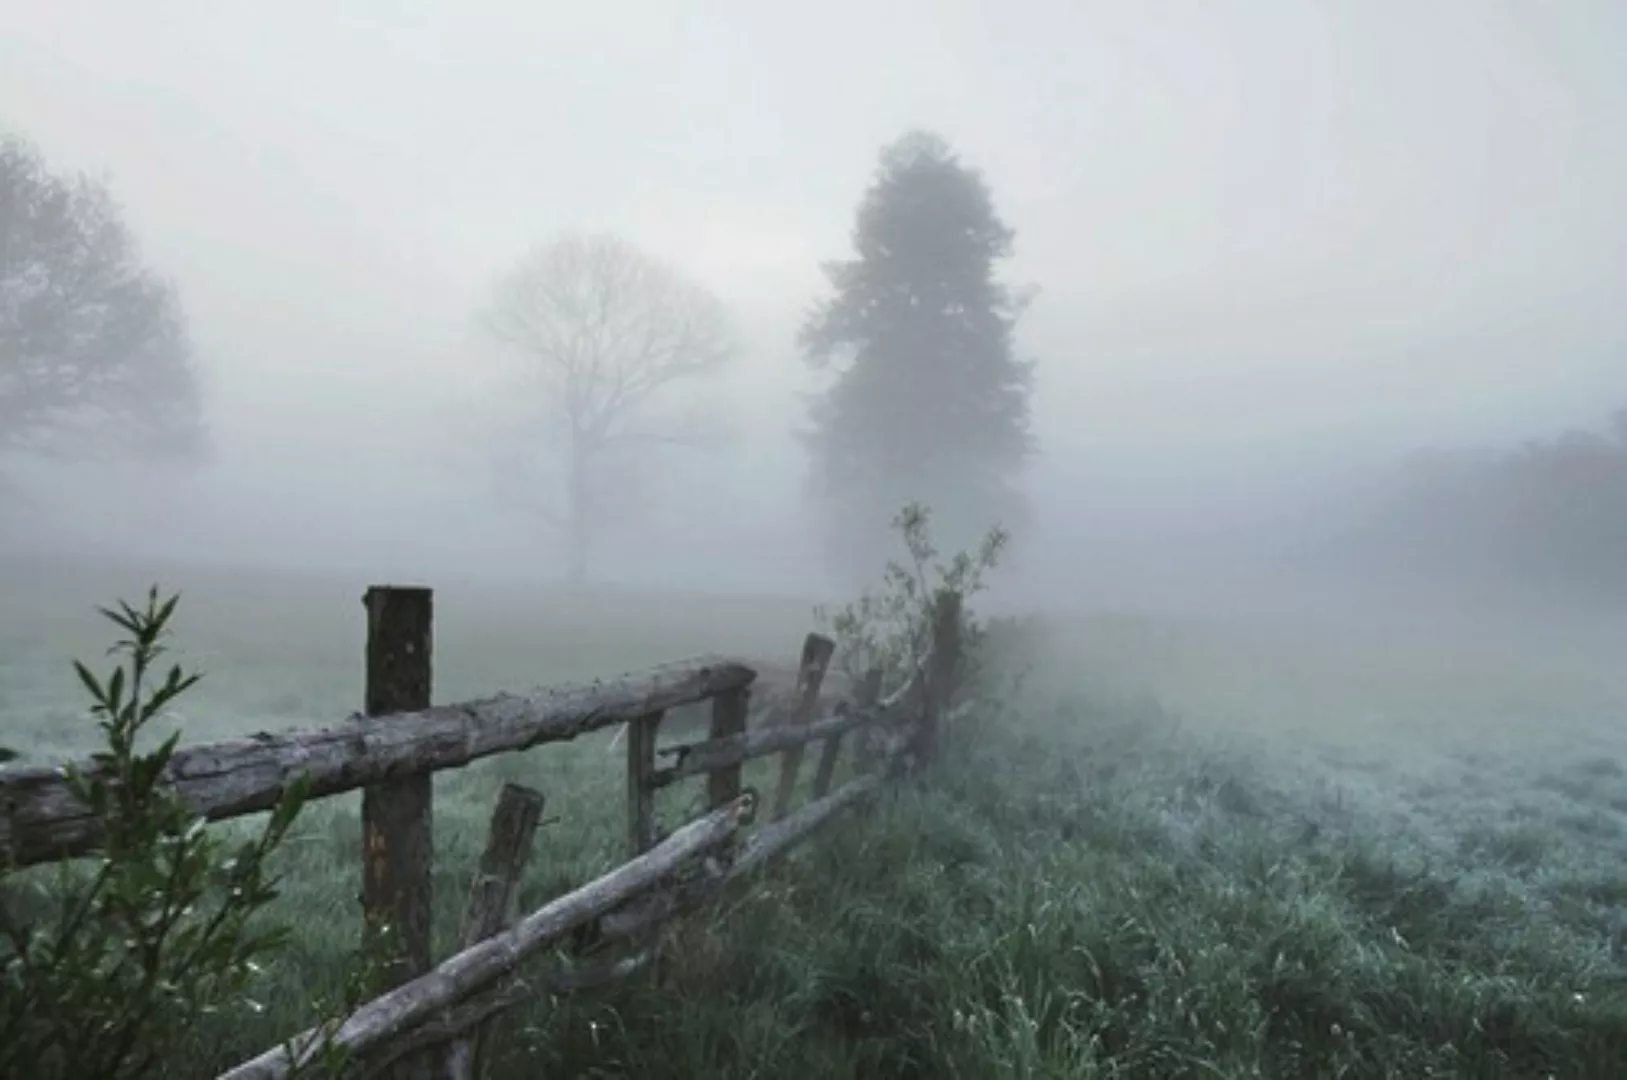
<point x="1548" y="515"/>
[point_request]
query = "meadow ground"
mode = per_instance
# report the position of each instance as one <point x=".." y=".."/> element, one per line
<point x="1186" y="849"/>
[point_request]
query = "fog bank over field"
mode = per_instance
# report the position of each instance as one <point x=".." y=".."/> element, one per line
<point x="1279" y="246"/>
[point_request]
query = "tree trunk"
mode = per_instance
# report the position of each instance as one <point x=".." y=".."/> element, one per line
<point x="577" y="511"/>
<point x="576" y="554"/>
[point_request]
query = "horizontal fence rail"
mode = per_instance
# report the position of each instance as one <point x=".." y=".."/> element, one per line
<point x="41" y="820"/>
<point x="699" y="758"/>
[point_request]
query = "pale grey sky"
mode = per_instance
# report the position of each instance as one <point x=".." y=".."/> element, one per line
<point x="1272" y="235"/>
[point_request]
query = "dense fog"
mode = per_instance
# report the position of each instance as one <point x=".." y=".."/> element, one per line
<point x="1266" y="359"/>
<point x="1276" y="250"/>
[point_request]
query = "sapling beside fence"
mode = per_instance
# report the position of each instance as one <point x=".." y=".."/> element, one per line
<point x="432" y="1019"/>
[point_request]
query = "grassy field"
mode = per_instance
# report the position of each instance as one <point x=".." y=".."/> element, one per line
<point x="1188" y="849"/>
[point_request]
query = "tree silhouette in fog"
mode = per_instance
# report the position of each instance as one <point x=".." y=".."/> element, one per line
<point x="606" y="335"/>
<point x="928" y="401"/>
<point x="1549" y="514"/>
<point x="95" y="359"/>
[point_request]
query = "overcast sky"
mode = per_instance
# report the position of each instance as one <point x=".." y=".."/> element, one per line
<point x="1273" y="236"/>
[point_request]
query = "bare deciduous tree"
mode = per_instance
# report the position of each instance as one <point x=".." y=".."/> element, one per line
<point x="606" y="333"/>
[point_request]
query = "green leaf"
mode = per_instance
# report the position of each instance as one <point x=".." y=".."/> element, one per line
<point x="115" y="690"/>
<point x="163" y="617"/>
<point x="91" y="683"/>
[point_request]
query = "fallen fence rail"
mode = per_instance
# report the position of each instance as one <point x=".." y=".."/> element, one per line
<point x="482" y="965"/>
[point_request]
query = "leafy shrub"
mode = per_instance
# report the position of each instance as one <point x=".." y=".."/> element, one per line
<point x="890" y="629"/>
<point x="123" y="957"/>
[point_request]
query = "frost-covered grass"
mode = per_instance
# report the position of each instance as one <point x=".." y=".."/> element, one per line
<point x="1192" y="851"/>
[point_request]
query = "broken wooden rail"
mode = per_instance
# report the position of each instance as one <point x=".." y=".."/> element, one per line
<point x="482" y="965"/>
<point x="435" y="1019"/>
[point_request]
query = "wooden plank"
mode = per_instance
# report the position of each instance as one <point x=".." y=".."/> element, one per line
<point x="491" y="899"/>
<point x="869" y="691"/>
<point x="391" y="1017"/>
<point x="714" y="755"/>
<point x="641" y="736"/>
<point x="641" y="824"/>
<point x="508" y="849"/>
<point x="397" y="815"/>
<point x="42" y="821"/>
<point x="816" y="653"/>
<point x="729" y="710"/>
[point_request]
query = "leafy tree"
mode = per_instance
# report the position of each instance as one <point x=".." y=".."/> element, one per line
<point x="94" y="354"/>
<point x="929" y="402"/>
<point x="608" y="334"/>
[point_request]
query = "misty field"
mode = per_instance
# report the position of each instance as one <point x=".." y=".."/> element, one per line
<point x="1186" y="848"/>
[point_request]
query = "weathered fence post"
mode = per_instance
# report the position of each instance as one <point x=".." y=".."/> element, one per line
<point x="397" y="835"/>
<point x="396" y="815"/>
<point x="729" y="710"/>
<point x="942" y="671"/>
<point x="816" y="653"/>
<point x="491" y="901"/>
<point x="865" y="697"/>
<point x="641" y="735"/>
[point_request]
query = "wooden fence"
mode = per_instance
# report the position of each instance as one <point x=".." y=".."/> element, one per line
<point x="431" y="1020"/>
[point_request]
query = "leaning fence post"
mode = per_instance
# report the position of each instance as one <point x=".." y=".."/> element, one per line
<point x="864" y="698"/>
<point x="816" y="653"/>
<point x="641" y="734"/>
<point x="396" y="815"/>
<point x="943" y="668"/>
<point x="491" y="899"/>
<point x="729" y="711"/>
